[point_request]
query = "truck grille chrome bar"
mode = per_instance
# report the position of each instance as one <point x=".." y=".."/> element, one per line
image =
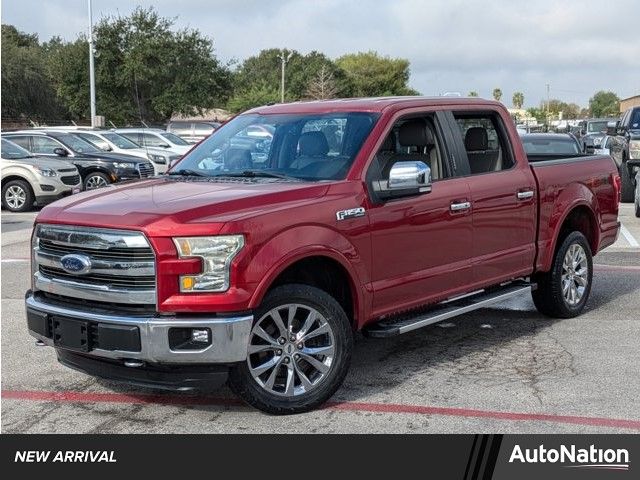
<point x="104" y="265"/>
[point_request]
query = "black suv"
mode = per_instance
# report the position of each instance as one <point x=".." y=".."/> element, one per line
<point x="97" y="168"/>
<point x="625" y="145"/>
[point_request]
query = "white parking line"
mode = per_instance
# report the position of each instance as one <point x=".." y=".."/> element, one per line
<point x="627" y="234"/>
<point x="15" y="260"/>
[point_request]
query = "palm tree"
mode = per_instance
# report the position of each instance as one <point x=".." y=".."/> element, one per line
<point x="497" y="94"/>
<point x="518" y="100"/>
<point x="473" y="93"/>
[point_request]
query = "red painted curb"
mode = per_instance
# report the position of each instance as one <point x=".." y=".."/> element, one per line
<point x="82" y="397"/>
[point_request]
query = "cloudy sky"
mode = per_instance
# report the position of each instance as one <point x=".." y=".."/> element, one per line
<point x="578" y="47"/>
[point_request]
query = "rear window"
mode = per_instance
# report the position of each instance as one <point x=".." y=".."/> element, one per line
<point x="550" y="146"/>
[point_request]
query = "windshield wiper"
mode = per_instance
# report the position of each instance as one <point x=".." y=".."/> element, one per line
<point x="258" y="173"/>
<point x="187" y="173"/>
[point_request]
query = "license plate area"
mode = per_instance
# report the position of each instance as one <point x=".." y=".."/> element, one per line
<point x="70" y="334"/>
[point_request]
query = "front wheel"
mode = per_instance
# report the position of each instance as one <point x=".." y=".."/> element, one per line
<point x="636" y="201"/>
<point x="17" y="196"/>
<point x="298" y="354"/>
<point x="96" y="180"/>
<point x="563" y="291"/>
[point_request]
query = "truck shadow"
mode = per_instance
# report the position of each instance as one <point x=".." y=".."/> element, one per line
<point x="510" y="343"/>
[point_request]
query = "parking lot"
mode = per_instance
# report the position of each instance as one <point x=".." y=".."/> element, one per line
<point x="504" y="369"/>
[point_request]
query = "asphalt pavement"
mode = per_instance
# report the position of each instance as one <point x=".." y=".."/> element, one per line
<point x="506" y="369"/>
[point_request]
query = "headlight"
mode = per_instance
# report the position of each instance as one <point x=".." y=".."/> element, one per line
<point x="157" y="158"/>
<point x="46" y="172"/>
<point x="216" y="254"/>
<point x="597" y="140"/>
<point x="124" y="165"/>
<point x="634" y="149"/>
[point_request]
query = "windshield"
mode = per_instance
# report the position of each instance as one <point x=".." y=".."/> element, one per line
<point x="120" y="141"/>
<point x="593" y="127"/>
<point x="302" y="146"/>
<point x="13" y="152"/>
<point x="176" y="140"/>
<point x="77" y="144"/>
<point x="550" y="146"/>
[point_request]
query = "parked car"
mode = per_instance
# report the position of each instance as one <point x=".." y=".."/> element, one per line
<point x="109" y="141"/>
<point x="625" y="146"/>
<point x="593" y="131"/>
<point x="192" y="132"/>
<point x="29" y="181"/>
<point x="260" y="271"/>
<point x="156" y="138"/>
<point x="550" y="144"/>
<point x="97" y="168"/>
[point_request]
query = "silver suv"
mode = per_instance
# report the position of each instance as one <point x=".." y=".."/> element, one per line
<point x="28" y="180"/>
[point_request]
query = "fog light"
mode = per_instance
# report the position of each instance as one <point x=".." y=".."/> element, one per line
<point x="200" y="336"/>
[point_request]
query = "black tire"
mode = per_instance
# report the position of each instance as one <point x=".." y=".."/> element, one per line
<point x="637" y="203"/>
<point x="95" y="176"/>
<point x="246" y="387"/>
<point x="23" y="186"/>
<point x="628" y="188"/>
<point x="548" y="297"/>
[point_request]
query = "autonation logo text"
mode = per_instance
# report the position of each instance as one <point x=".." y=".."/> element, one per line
<point x="592" y="457"/>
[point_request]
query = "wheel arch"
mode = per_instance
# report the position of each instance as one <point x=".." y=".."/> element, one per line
<point x="581" y="218"/>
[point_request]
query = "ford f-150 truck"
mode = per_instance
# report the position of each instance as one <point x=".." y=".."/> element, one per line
<point x="256" y="263"/>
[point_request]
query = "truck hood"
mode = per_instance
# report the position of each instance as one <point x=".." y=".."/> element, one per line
<point x="43" y="162"/>
<point x="163" y="206"/>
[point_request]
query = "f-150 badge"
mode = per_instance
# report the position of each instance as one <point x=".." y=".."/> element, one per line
<point x="351" y="213"/>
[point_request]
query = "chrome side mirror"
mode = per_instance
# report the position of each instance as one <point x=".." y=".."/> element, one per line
<point x="414" y="174"/>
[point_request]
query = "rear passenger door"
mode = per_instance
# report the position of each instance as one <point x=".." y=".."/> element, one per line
<point x="503" y="198"/>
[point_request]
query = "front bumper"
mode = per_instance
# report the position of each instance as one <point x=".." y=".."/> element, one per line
<point x="229" y="335"/>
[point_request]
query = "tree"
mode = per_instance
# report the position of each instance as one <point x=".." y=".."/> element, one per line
<point x="255" y="96"/>
<point x="497" y="94"/>
<point x="323" y="85"/>
<point x="518" y="100"/>
<point x="604" y="104"/>
<point x="369" y="74"/>
<point x="27" y="91"/>
<point x="472" y="93"/>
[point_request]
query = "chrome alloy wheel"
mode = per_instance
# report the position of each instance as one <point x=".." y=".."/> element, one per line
<point x="15" y="196"/>
<point x="291" y="350"/>
<point x="575" y="274"/>
<point x="96" y="181"/>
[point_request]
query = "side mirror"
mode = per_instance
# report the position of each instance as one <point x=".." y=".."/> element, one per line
<point x="406" y="178"/>
<point x="612" y="128"/>
<point x="107" y="148"/>
<point x="61" y="152"/>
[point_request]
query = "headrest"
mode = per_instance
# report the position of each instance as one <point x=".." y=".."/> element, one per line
<point x="476" y="139"/>
<point x="313" y="144"/>
<point x="389" y="144"/>
<point x="414" y="133"/>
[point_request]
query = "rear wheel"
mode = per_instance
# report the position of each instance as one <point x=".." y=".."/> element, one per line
<point x="17" y="196"/>
<point x="563" y="291"/>
<point x="627" y="186"/>
<point x="96" y="180"/>
<point x="637" y="196"/>
<point x="299" y="351"/>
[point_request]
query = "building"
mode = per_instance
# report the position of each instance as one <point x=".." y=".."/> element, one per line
<point x="627" y="103"/>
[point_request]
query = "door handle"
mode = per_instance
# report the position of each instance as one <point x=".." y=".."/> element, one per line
<point x="459" y="206"/>
<point x="525" y="194"/>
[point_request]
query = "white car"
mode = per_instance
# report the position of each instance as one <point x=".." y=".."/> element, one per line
<point x="28" y="180"/>
<point x="156" y="138"/>
<point x="114" y="142"/>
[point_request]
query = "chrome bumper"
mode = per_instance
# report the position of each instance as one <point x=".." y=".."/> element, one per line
<point x="230" y="335"/>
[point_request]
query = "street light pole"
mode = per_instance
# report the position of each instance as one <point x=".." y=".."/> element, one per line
<point x="92" y="77"/>
<point x="284" y="58"/>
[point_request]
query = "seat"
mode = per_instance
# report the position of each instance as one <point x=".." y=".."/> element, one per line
<point x="416" y="133"/>
<point x="476" y="143"/>
<point x="238" y="159"/>
<point x="312" y="147"/>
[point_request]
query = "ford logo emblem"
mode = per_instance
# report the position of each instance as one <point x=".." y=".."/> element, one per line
<point x="78" y="264"/>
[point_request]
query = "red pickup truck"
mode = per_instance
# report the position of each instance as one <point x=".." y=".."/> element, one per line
<point x="263" y="251"/>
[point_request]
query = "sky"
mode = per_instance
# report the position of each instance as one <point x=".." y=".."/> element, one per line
<point x="577" y="47"/>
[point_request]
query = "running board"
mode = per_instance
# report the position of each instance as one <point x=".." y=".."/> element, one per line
<point x="398" y="325"/>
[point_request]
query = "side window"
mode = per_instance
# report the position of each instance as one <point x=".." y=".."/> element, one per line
<point x="134" y="137"/>
<point x="180" y="128"/>
<point x="411" y="139"/>
<point x="94" y="140"/>
<point x="45" y="145"/>
<point x="151" y="140"/>
<point x="484" y="142"/>
<point x="22" y="141"/>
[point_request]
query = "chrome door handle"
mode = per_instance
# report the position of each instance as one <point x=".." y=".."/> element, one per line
<point x="457" y="207"/>
<point x="524" y="195"/>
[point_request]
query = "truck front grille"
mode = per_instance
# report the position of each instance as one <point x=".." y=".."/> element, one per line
<point x="101" y="265"/>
